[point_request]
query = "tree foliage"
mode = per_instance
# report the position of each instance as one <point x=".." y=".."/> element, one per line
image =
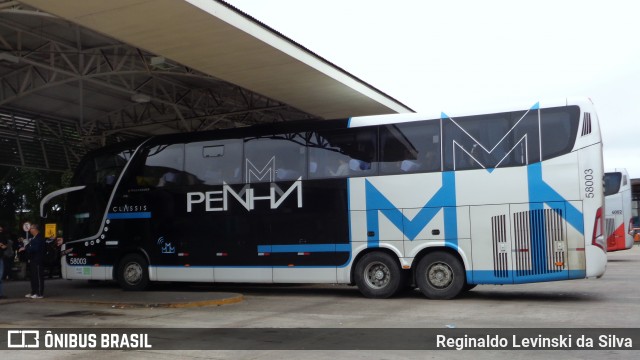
<point x="21" y="191"/>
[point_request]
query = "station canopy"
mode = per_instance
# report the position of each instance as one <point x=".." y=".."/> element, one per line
<point x="77" y="74"/>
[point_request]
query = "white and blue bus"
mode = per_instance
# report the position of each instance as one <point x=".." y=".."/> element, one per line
<point x="441" y="203"/>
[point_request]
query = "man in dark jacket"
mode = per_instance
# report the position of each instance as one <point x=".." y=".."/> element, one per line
<point x="35" y="254"/>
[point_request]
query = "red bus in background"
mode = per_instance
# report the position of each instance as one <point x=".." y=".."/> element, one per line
<point x="618" y="221"/>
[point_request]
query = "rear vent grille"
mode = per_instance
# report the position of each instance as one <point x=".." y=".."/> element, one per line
<point x="586" y="124"/>
<point x="500" y="255"/>
<point x="609" y="227"/>
<point x="539" y="242"/>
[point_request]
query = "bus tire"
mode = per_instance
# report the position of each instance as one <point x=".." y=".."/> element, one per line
<point x="440" y="276"/>
<point x="133" y="273"/>
<point x="378" y="275"/>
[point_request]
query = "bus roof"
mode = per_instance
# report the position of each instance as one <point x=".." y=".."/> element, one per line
<point x="583" y="102"/>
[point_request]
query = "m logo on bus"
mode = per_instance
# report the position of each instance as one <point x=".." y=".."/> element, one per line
<point x="444" y="199"/>
<point x="259" y="174"/>
<point x="219" y="200"/>
<point x="518" y="145"/>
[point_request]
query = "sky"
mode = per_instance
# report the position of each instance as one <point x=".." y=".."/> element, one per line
<point x="440" y="55"/>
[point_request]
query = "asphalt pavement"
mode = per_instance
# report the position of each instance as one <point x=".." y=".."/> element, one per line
<point x="109" y="293"/>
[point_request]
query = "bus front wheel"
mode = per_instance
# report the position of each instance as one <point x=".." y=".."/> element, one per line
<point x="378" y="275"/>
<point x="133" y="273"/>
<point x="440" y="276"/>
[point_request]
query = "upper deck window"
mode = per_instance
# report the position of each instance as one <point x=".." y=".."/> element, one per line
<point x="410" y="147"/>
<point x="215" y="162"/>
<point x="163" y="167"/>
<point x="275" y="158"/>
<point x="343" y="153"/>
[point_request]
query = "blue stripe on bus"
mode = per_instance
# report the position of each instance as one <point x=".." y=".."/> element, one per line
<point x="512" y="277"/>
<point x="304" y="248"/>
<point x="450" y="210"/>
<point x="132" y="215"/>
<point x="473" y="276"/>
<point x="213" y="267"/>
<point x="541" y="192"/>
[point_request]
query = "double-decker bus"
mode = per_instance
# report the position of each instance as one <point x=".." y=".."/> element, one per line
<point x="618" y="220"/>
<point x="437" y="202"/>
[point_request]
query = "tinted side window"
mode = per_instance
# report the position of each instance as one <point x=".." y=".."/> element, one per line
<point x="508" y="139"/>
<point x="410" y="147"/>
<point x="276" y="158"/>
<point x="215" y="162"/>
<point x="110" y="167"/>
<point x="343" y="153"/>
<point x="476" y="142"/>
<point x="163" y="167"/>
<point x="102" y="169"/>
<point x="559" y="130"/>
<point x="525" y="138"/>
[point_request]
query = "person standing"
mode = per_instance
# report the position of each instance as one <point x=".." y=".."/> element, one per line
<point x="4" y="245"/>
<point x="35" y="253"/>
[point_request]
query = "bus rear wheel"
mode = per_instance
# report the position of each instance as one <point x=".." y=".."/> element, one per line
<point x="440" y="276"/>
<point x="133" y="273"/>
<point x="378" y="275"/>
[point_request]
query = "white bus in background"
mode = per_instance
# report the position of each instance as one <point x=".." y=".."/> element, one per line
<point x="618" y="219"/>
<point x="440" y="202"/>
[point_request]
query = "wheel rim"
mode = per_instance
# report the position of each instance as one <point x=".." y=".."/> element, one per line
<point x="440" y="275"/>
<point x="377" y="275"/>
<point x="133" y="273"/>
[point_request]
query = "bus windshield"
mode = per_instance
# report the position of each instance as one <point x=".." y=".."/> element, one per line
<point x="612" y="183"/>
<point x="98" y="173"/>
